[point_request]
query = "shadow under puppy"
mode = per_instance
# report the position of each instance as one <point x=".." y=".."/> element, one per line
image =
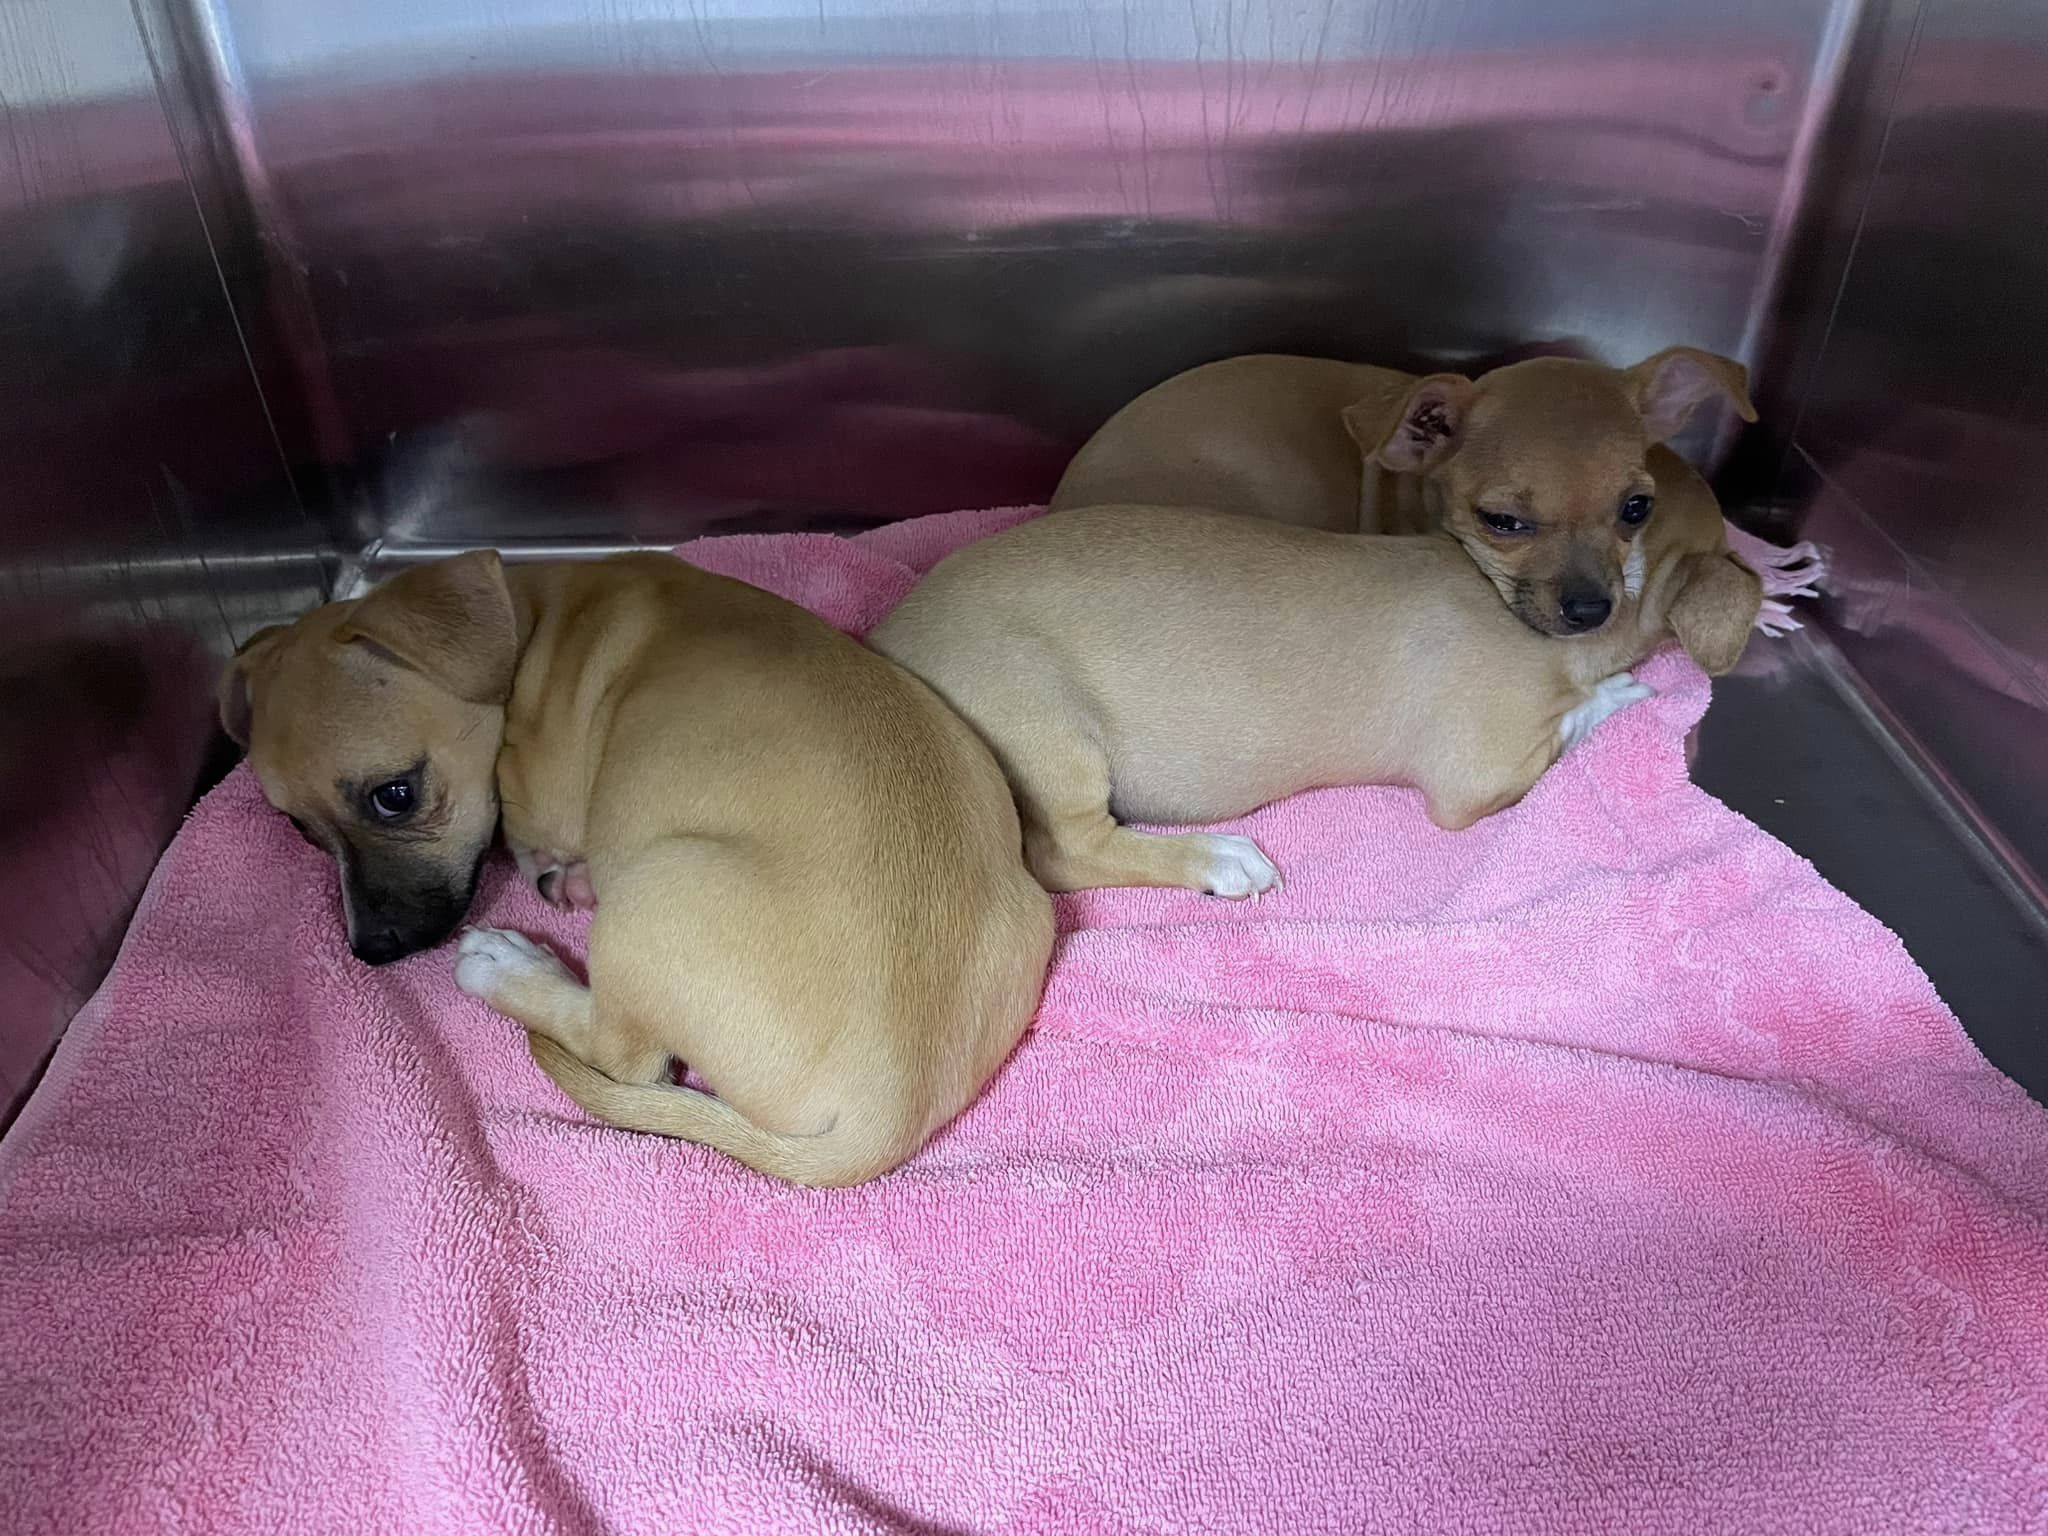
<point x="1172" y="665"/>
<point x="805" y="866"/>
<point x="1539" y="469"/>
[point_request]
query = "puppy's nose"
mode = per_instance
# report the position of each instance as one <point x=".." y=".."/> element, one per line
<point x="379" y="946"/>
<point x="1583" y="613"/>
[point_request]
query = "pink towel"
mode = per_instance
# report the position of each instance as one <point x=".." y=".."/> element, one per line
<point x="1598" y="1169"/>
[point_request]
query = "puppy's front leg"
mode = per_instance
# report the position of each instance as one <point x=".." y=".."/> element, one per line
<point x="1478" y="786"/>
<point x="1610" y="696"/>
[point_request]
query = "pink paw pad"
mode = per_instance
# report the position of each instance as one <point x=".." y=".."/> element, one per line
<point x="565" y="884"/>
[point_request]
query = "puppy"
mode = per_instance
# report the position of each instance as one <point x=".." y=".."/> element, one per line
<point x="1541" y="469"/>
<point x="806" y="870"/>
<point x="1171" y="665"/>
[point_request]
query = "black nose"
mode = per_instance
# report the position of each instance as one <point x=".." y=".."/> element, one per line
<point x="1584" y="613"/>
<point x="380" y="946"/>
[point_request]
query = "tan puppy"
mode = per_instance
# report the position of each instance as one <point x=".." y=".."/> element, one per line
<point x="1540" y="469"/>
<point x="1170" y="665"/>
<point x="806" y="868"/>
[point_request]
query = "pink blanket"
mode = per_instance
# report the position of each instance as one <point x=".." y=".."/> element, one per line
<point x="1599" y="1169"/>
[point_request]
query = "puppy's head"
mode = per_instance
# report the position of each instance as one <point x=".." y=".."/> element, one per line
<point x="1540" y="469"/>
<point x="375" y="726"/>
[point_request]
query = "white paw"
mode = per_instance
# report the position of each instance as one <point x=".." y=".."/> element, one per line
<point x="487" y="958"/>
<point x="1610" y="696"/>
<point x="1237" y="868"/>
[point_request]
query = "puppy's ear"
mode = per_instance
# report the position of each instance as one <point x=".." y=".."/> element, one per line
<point x="1715" y="610"/>
<point x="450" y="621"/>
<point x="232" y="696"/>
<point x="1670" y="385"/>
<point x="1412" y="429"/>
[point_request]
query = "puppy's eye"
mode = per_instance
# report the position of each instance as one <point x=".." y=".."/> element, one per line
<point x="392" y="801"/>
<point x="1502" y="522"/>
<point x="1636" y="510"/>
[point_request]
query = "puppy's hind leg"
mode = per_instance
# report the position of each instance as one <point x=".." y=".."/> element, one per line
<point x="791" y="1101"/>
<point x="1072" y="843"/>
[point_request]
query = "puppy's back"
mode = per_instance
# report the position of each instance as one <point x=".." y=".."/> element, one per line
<point x="1218" y="661"/>
<point x="1144" y="573"/>
<point x="1259" y="436"/>
<point x="872" y="825"/>
<point x="808" y="719"/>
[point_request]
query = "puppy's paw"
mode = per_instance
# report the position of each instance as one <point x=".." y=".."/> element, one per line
<point x="1236" y="868"/>
<point x="562" y="879"/>
<point x="573" y="891"/>
<point x="488" y="959"/>
<point x="1609" y="696"/>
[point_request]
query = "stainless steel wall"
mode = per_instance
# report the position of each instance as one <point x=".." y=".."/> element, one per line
<point x="1914" y="353"/>
<point x="650" y="265"/>
<point x="146" y="515"/>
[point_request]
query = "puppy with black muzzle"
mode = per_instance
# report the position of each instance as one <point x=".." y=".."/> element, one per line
<point x="1541" y="470"/>
<point x="805" y="868"/>
<point x="1169" y="665"/>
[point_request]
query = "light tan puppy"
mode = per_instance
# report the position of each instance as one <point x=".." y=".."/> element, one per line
<point x="1539" y="469"/>
<point x="806" y="869"/>
<point x="1169" y="665"/>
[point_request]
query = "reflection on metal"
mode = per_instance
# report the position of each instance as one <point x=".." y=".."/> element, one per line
<point x="664" y="266"/>
<point x="147" y="519"/>
<point x="1922" y="444"/>
<point x="293" y="292"/>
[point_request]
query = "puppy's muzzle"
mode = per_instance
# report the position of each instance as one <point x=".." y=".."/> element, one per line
<point x="380" y="935"/>
<point x="389" y="920"/>
<point x="381" y="946"/>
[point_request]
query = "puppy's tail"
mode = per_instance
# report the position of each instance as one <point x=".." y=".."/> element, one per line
<point x="846" y="1154"/>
